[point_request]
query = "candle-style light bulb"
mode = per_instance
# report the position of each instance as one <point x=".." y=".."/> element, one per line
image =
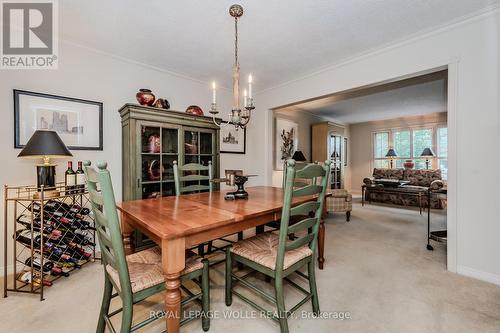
<point x="250" y="86"/>
<point x="245" y="97"/>
<point x="214" y="92"/>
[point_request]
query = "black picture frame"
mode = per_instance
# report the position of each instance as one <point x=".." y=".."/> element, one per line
<point x="231" y="151"/>
<point x="17" y="114"/>
<point x="345" y="152"/>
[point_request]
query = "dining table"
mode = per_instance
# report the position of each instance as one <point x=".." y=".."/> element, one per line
<point x="177" y="223"/>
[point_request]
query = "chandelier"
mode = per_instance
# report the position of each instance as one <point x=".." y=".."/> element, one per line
<point x="237" y="117"/>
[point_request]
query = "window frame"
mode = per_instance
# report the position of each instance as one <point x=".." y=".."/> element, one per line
<point x="383" y="158"/>
<point x="434" y="127"/>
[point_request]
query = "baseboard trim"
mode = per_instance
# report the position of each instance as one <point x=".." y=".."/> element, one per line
<point x="480" y="275"/>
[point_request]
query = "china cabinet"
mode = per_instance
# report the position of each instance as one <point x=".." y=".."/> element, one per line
<point x="152" y="139"/>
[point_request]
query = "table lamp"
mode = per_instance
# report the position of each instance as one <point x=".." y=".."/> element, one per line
<point x="298" y="156"/>
<point x="391" y="153"/>
<point x="46" y="145"/>
<point x="427" y="153"/>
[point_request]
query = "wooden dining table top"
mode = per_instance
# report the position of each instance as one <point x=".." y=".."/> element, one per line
<point x="180" y="216"/>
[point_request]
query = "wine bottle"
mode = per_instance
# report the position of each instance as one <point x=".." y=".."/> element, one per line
<point x="25" y="236"/>
<point x="54" y="205"/>
<point x="48" y="266"/>
<point x="80" y="179"/>
<point x="75" y="251"/>
<point x="77" y="237"/>
<point x="70" y="179"/>
<point x="27" y="277"/>
<point x="56" y="254"/>
<point x="48" y="229"/>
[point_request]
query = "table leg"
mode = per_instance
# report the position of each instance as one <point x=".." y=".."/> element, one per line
<point x="420" y="202"/>
<point x="362" y="196"/>
<point x="321" y="240"/>
<point x="173" y="262"/>
<point x="127" y="235"/>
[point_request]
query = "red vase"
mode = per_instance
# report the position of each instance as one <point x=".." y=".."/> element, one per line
<point x="194" y="109"/>
<point x="409" y="164"/>
<point x="145" y="97"/>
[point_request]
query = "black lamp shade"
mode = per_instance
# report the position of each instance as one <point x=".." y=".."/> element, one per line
<point x="391" y="153"/>
<point x="427" y="153"/>
<point x="298" y="156"/>
<point x="45" y="143"/>
<point x="334" y="155"/>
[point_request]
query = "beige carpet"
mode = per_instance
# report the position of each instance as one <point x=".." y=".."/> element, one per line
<point x="377" y="269"/>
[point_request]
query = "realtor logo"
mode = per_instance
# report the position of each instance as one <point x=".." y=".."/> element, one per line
<point x="29" y="34"/>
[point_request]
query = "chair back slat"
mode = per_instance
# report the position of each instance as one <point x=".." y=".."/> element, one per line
<point x="307" y="190"/>
<point x="317" y="175"/>
<point x="100" y="218"/>
<point x="310" y="171"/>
<point x="301" y="241"/>
<point x="302" y="225"/>
<point x="195" y="167"/>
<point x="104" y="238"/>
<point x="182" y="181"/>
<point x="195" y="188"/>
<point x="194" y="177"/>
<point x="95" y="197"/>
<point x="305" y="208"/>
<point x="103" y="204"/>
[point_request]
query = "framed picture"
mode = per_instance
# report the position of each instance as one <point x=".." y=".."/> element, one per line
<point x="233" y="140"/>
<point x="78" y="122"/>
<point x="286" y="141"/>
<point x="345" y="152"/>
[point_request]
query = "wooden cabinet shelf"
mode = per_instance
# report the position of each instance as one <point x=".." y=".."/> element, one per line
<point x="152" y="139"/>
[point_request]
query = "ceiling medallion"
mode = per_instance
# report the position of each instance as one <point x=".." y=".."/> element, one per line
<point x="237" y="117"/>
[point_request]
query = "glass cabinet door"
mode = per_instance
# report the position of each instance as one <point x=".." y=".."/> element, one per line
<point x="199" y="147"/>
<point x="159" y="149"/>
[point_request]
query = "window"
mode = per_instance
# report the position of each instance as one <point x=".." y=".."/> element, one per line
<point x="402" y="146"/>
<point x="380" y="146"/>
<point x="422" y="138"/>
<point x="442" y="151"/>
<point x="409" y="144"/>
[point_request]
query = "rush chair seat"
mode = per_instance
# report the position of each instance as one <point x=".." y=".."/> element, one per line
<point x="273" y="255"/>
<point x="191" y="178"/>
<point x="137" y="276"/>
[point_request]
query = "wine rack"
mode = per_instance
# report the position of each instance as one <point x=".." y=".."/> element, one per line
<point x="45" y="238"/>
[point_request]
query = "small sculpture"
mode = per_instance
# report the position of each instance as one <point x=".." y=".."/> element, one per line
<point x="162" y="103"/>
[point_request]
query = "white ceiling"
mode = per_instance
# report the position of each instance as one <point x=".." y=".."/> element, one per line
<point x="279" y="40"/>
<point x="424" y="98"/>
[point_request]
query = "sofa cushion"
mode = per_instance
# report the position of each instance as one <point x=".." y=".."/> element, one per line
<point x="422" y="177"/>
<point x="388" y="173"/>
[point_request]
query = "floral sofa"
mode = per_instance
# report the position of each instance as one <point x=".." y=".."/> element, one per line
<point x="418" y="181"/>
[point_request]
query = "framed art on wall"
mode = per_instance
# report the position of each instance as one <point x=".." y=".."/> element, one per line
<point x="233" y="140"/>
<point x="345" y="152"/>
<point x="285" y="141"/>
<point x="78" y="122"/>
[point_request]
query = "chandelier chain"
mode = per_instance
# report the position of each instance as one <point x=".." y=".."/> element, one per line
<point x="236" y="41"/>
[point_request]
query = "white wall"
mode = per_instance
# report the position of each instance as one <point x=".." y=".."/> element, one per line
<point x="362" y="147"/>
<point x="471" y="49"/>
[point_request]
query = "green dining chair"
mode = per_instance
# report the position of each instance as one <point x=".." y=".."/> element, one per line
<point x="193" y="177"/>
<point x="137" y="276"/>
<point x="273" y="255"/>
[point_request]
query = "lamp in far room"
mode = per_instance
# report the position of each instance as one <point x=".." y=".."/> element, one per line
<point x="299" y="156"/>
<point x="391" y="154"/>
<point x="428" y="154"/>
<point x="46" y="145"/>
